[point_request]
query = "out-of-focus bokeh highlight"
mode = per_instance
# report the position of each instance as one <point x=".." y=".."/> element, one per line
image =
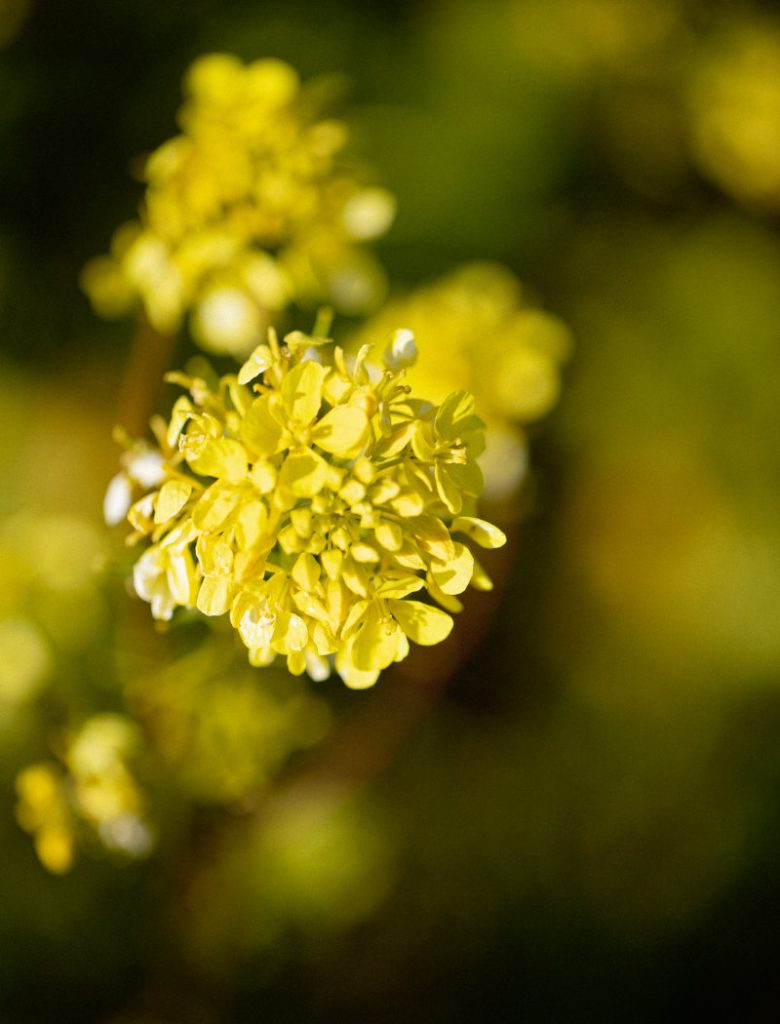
<point x="581" y="821"/>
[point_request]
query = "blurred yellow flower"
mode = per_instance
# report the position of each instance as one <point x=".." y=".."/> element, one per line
<point x="476" y="332"/>
<point x="734" y="103"/>
<point x="312" y="504"/>
<point x="44" y="810"/>
<point x="251" y="208"/>
<point x="97" y="790"/>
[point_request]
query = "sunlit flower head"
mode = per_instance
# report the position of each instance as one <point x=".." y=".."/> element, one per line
<point x="253" y="206"/>
<point x="309" y="501"/>
<point x="475" y="331"/>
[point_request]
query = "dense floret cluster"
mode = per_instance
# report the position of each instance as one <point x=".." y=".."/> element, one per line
<point x="253" y="206"/>
<point x="309" y="501"/>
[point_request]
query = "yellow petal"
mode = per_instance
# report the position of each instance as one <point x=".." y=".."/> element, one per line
<point x="485" y="534"/>
<point x="421" y="622"/>
<point x="257" y="363"/>
<point x="389" y="535"/>
<point x="355" y="577"/>
<point x="301" y="521"/>
<point x="181" y="412"/>
<point x="454" y="575"/>
<point x="302" y="391"/>
<point x="215" y="595"/>
<point x="296" y="663"/>
<point x="385" y="489"/>
<point x="341" y="431"/>
<point x="256" y="624"/>
<point x="291" y="634"/>
<point x="290" y="541"/>
<point x="447" y="601"/>
<point x="408" y="504"/>
<point x="448" y="489"/>
<point x="434" y="537"/>
<point x="55" y="848"/>
<point x="352" y="676"/>
<point x="250" y="523"/>
<point x="354" y="617"/>
<point x="224" y="458"/>
<point x="310" y="606"/>
<point x="364" y="553"/>
<point x="376" y="644"/>
<point x="352" y="492"/>
<point x="480" y="580"/>
<point x="398" y="586"/>
<point x="181" y="577"/>
<point x="263" y="476"/>
<point x="456" y="415"/>
<point x="397" y="441"/>
<point x="306" y="571"/>
<point x="214" y="554"/>
<point x="171" y="499"/>
<point x="331" y="561"/>
<point x="303" y="473"/>
<point x="261" y="429"/>
<point x="214" y="506"/>
<point x="423" y="443"/>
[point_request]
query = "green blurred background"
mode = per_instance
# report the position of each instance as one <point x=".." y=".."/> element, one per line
<point x="585" y="825"/>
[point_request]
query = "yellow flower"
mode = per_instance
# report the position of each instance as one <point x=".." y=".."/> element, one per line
<point x="309" y="501"/>
<point x="734" y="106"/>
<point x="96" y="790"/>
<point x="477" y="332"/>
<point x="44" y="810"/>
<point x="251" y="208"/>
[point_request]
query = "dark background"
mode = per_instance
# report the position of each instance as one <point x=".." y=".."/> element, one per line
<point x="586" y="824"/>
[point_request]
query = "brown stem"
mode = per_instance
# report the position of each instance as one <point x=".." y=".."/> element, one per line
<point x="139" y="393"/>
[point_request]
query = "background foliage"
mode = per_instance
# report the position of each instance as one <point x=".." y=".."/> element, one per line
<point x="585" y="823"/>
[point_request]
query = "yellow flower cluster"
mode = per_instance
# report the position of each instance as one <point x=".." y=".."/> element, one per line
<point x="476" y="332"/>
<point x="95" y="790"/>
<point x="311" y="504"/>
<point x="251" y="208"/>
<point x="734" y="103"/>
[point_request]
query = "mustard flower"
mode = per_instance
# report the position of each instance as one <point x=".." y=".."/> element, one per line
<point x="477" y="331"/>
<point x="92" y="793"/>
<point x="309" y="502"/>
<point x="734" y="108"/>
<point x="253" y="206"/>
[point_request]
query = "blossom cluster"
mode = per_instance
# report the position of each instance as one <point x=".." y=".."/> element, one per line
<point x="93" y="791"/>
<point x="253" y="206"/>
<point x="310" y="501"/>
<point x="476" y="330"/>
<point x="734" y="111"/>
